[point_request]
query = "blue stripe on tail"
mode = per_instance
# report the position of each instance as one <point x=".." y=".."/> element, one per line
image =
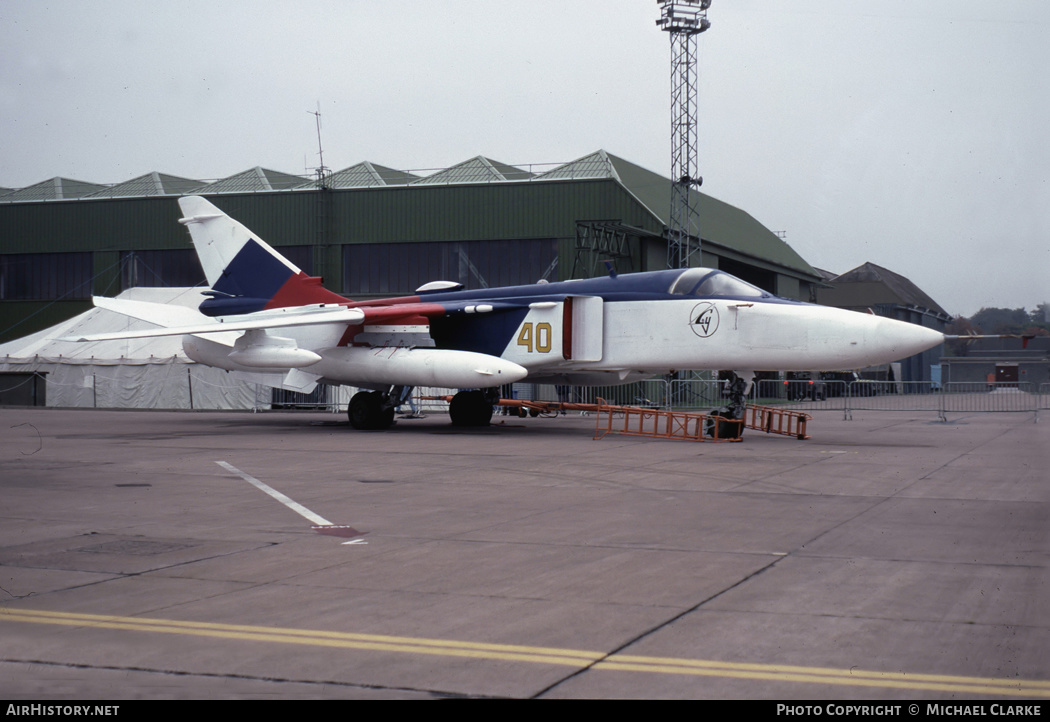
<point x="248" y="282"/>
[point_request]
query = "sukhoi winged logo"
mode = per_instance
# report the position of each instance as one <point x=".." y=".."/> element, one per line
<point x="704" y="319"/>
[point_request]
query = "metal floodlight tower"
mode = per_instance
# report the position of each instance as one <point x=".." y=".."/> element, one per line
<point x="683" y="20"/>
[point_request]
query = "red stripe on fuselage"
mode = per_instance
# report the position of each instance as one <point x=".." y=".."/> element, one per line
<point x="401" y="313"/>
<point x="303" y="290"/>
<point x="406" y="310"/>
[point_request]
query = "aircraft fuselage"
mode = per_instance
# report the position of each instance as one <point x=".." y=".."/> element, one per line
<point x="601" y="331"/>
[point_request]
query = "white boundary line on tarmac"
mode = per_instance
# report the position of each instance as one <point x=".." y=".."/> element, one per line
<point x="293" y="505"/>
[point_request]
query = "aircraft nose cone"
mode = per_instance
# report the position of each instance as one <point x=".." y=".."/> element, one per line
<point x="900" y="339"/>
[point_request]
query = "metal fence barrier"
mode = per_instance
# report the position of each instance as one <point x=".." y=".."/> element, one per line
<point x="861" y="395"/>
<point x="704" y="395"/>
<point x="651" y="393"/>
<point x="892" y="396"/>
<point x="801" y="394"/>
<point x="977" y="396"/>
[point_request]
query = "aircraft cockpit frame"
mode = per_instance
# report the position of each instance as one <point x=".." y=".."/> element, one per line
<point x="712" y="283"/>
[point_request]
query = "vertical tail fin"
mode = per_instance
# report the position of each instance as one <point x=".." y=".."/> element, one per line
<point x="244" y="272"/>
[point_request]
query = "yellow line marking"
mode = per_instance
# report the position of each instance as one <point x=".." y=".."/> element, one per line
<point x="544" y="655"/>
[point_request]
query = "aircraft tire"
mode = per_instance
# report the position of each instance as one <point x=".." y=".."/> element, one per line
<point x="469" y="408"/>
<point x="484" y="417"/>
<point x="726" y="429"/>
<point x="366" y="412"/>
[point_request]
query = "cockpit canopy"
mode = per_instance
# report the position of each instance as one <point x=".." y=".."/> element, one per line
<point x="709" y="282"/>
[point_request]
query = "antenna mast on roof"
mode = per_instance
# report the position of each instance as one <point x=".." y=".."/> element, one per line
<point x="683" y="20"/>
<point x="320" y="171"/>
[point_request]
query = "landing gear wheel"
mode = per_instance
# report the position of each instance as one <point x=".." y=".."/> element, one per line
<point x="470" y="408"/>
<point x="366" y="411"/>
<point x="726" y="427"/>
<point x="731" y="424"/>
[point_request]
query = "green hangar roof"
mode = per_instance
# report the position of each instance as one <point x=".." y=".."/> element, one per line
<point x="870" y="285"/>
<point x="366" y="175"/>
<point x="252" y="180"/>
<point x="151" y="184"/>
<point x="476" y="170"/>
<point x="720" y="223"/>
<point x="53" y="189"/>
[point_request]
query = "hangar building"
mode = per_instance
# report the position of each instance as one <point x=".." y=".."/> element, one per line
<point x="370" y="231"/>
<point x="890" y="294"/>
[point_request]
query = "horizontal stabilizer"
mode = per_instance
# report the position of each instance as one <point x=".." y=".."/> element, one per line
<point x="161" y="314"/>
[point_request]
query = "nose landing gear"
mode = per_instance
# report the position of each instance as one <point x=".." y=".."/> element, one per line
<point x="731" y="423"/>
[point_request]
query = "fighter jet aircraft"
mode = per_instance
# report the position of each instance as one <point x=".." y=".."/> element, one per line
<point x="263" y="314"/>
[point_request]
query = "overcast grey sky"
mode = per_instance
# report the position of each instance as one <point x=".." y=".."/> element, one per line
<point x="910" y="134"/>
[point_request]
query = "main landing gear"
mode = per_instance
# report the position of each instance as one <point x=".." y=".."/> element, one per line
<point x="472" y="408"/>
<point x="373" y="410"/>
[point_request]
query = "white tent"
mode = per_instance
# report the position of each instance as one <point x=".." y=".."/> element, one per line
<point x="149" y="373"/>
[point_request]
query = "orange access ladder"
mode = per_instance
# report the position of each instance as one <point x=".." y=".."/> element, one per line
<point x="668" y="424"/>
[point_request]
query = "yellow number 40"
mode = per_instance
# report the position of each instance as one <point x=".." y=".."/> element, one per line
<point x="536" y="338"/>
